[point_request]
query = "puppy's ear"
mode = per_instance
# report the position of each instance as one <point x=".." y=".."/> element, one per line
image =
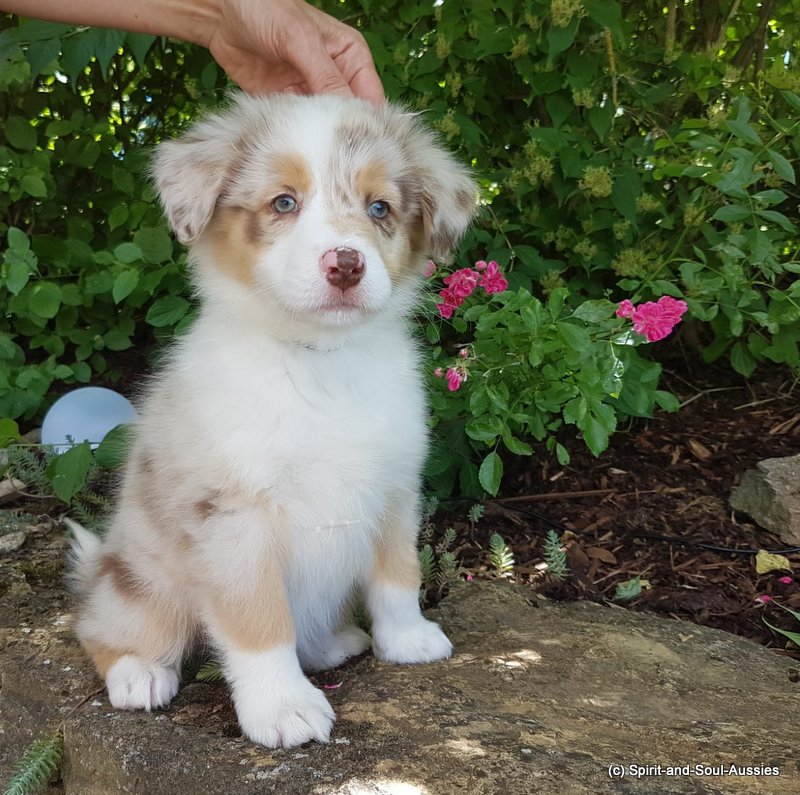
<point x="190" y="173"/>
<point x="448" y="197"/>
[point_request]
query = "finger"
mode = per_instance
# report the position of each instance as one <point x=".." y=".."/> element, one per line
<point x="364" y="82"/>
<point x="316" y="66"/>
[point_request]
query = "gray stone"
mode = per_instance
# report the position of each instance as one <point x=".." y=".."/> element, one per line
<point x="770" y="494"/>
<point x="9" y="542"/>
<point x="539" y="697"/>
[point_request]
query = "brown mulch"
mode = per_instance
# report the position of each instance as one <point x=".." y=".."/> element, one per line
<point x="667" y="476"/>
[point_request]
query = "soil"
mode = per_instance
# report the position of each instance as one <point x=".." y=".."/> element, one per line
<point x="669" y="476"/>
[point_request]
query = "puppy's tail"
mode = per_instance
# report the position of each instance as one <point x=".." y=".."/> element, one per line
<point x="84" y="555"/>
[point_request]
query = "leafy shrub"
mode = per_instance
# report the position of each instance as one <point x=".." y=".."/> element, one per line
<point x="624" y="150"/>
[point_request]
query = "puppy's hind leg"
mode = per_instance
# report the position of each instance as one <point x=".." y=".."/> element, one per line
<point x="135" y="636"/>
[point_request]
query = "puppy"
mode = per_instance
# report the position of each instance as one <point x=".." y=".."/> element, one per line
<point x="276" y="470"/>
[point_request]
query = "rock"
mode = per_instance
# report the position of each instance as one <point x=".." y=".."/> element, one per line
<point x="11" y="541"/>
<point x="770" y="494"/>
<point x="538" y="697"/>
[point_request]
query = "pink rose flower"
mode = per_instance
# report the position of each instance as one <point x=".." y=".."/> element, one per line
<point x="455" y="378"/>
<point x="786" y="580"/>
<point x="438" y="372"/>
<point x="492" y="279"/>
<point x="450" y="302"/>
<point x="462" y="282"/>
<point x="765" y="599"/>
<point x="430" y="269"/>
<point x="625" y="309"/>
<point x="656" y="320"/>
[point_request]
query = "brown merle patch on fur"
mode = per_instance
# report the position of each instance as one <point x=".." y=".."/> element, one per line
<point x="236" y="235"/>
<point x="206" y="508"/>
<point x="291" y="172"/>
<point x="396" y="561"/>
<point x="123" y="578"/>
<point x="102" y="656"/>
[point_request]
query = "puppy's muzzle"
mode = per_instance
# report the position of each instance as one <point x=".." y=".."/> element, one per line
<point x="343" y="267"/>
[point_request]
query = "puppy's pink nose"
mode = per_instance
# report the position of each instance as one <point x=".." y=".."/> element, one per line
<point x="343" y="267"/>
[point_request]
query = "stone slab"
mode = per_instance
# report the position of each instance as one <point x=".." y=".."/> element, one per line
<point x="538" y="697"/>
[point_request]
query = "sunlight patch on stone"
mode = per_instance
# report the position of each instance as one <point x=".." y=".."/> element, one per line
<point x="465" y="747"/>
<point x="381" y="787"/>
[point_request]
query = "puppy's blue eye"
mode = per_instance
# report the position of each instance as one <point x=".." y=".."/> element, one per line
<point x="284" y="204"/>
<point x="378" y="210"/>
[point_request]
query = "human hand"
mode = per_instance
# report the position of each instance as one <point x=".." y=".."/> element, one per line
<point x="288" y="45"/>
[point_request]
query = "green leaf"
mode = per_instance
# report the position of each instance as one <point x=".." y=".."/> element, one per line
<point x="742" y="360"/>
<point x="113" y="451"/>
<point x="485" y="429"/>
<point x="71" y="469"/>
<point x="595" y="434"/>
<point x="82" y="372"/>
<point x="155" y="244"/>
<point x="560" y="39"/>
<point x="626" y="189"/>
<point x="791" y="99"/>
<point x="9" y="431"/>
<point x="139" y="44"/>
<point x="116" y="340"/>
<point x="42" y="53"/>
<point x="45" y="299"/>
<point x="793" y="636"/>
<point x="743" y="131"/>
<point x="777" y="218"/>
<point x="124" y="284"/>
<point x="595" y="311"/>
<point x="516" y="446"/>
<point x="601" y="120"/>
<point x="771" y="196"/>
<point x="128" y="252"/>
<point x="106" y="43"/>
<point x="167" y="311"/>
<point x="576" y="337"/>
<point x="491" y="473"/>
<point x="76" y="53"/>
<point x="606" y="14"/>
<point x="666" y="400"/>
<point x="732" y="212"/>
<point x="19" y="273"/>
<point x="18" y="240"/>
<point x="118" y="216"/>
<point x="20" y="133"/>
<point x="33" y="185"/>
<point x="783" y="168"/>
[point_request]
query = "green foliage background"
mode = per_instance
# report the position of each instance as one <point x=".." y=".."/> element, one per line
<point x="625" y="149"/>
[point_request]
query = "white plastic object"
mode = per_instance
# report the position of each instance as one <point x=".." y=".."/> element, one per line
<point x="85" y="415"/>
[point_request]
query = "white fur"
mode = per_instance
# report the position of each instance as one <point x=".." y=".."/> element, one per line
<point x="302" y="421"/>
<point x="133" y="684"/>
<point x="276" y="705"/>
<point x="399" y="632"/>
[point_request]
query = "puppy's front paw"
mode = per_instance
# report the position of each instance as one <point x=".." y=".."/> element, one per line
<point x="284" y="717"/>
<point x="134" y="684"/>
<point x="346" y="643"/>
<point x="419" y="642"/>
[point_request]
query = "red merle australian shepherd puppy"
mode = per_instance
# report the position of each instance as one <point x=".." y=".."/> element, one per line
<point x="276" y="467"/>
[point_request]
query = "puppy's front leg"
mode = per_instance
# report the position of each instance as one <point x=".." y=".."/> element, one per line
<point x="400" y="634"/>
<point x="247" y="612"/>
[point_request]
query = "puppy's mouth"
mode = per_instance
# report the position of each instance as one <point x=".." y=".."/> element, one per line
<point x="352" y="300"/>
